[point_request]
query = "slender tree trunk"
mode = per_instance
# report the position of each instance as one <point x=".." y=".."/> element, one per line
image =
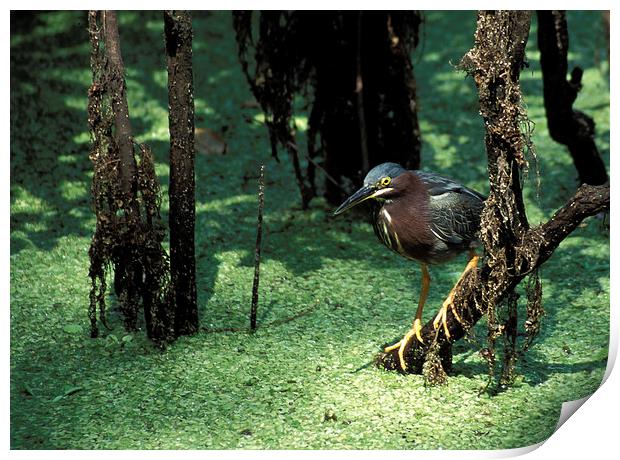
<point x="122" y="133"/>
<point x="178" y="30"/>
<point x="359" y="90"/>
<point x="513" y="250"/>
<point x="567" y="126"/>
<point x="127" y="270"/>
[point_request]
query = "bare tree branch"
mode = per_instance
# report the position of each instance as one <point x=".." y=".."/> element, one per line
<point x="568" y="126"/>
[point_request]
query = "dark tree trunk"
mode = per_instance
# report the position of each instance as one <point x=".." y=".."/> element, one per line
<point x="178" y="30"/>
<point x="605" y="21"/>
<point x="567" y="126"/>
<point x="127" y="270"/>
<point x="122" y="132"/>
<point x="513" y="250"/>
<point x="129" y="232"/>
<point x="365" y="109"/>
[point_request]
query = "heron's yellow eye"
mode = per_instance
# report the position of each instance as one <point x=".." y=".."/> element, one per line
<point x="385" y="181"/>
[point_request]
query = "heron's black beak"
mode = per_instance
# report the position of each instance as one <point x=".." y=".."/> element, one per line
<point x="367" y="191"/>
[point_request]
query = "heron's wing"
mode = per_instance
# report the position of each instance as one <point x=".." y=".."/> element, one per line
<point x="455" y="209"/>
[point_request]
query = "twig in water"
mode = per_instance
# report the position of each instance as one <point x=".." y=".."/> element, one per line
<point x="259" y="234"/>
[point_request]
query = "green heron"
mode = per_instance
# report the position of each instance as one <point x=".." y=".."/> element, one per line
<point x="425" y="217"/>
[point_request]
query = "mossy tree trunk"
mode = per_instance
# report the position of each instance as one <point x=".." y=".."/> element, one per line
<point x="567" y="126"/>
<point x="178" y="32"/>
<point x="127" y="272"/>
<point x="513" y="250"/>
<point x="126" y="198"/>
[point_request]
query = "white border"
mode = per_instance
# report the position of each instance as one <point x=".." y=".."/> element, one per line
<point x="589" y="434"/>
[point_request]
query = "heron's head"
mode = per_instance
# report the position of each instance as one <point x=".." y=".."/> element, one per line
<point x="379" y="184"/>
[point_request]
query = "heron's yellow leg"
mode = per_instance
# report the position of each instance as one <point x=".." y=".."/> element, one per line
<point x="443" y="312"/>
<point x="417" y="321"/>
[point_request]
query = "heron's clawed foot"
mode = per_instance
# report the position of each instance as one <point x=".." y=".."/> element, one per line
<point x="442" y="316"/>
<point x="403" y="343"/>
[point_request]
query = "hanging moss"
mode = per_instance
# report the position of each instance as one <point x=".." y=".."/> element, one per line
<point x="535" y="310"/>
<point x="355" y="71"/>
<point x="432" y="370"/>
